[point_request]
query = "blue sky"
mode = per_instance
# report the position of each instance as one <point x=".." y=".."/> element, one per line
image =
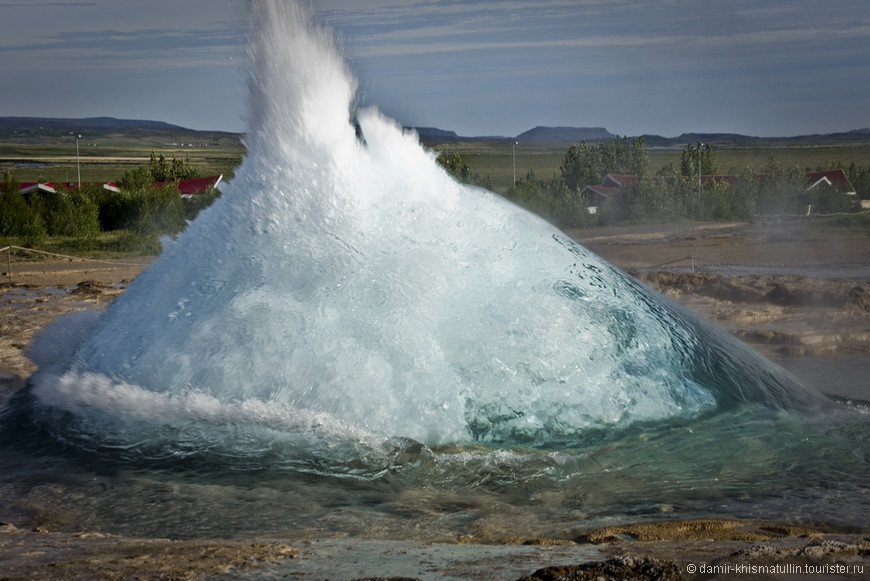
<point x="494" y="67"/>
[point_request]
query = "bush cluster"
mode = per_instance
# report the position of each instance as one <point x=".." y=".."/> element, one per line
<point x="673" y="193"/>
<point x="140" y="212"/>
<point x="461" y="170"/>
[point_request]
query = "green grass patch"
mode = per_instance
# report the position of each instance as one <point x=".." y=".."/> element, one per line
<point x="117" y="244"/>
<point x="107" y="163"/>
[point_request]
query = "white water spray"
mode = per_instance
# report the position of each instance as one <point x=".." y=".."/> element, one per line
<point x="342" y="290"/>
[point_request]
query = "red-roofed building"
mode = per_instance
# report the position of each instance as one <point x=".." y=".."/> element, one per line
<point x="187" y="188"/>
<point x="35" y="187"/>
<point x="613" y="180"/>
<point x="194" y="186"/>
<point x="53" y="187"/>
<point x="597" y="195"/>
<point x="836" y="178"/>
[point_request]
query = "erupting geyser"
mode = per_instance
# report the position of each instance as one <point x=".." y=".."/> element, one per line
<point x="346" y="292"/>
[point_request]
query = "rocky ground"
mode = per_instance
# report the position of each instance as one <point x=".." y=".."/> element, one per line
<point x="703" y="549"/>
<point x="798" y="292"/>
<point x="33" y="294"/>
<point x="784" y="314"/>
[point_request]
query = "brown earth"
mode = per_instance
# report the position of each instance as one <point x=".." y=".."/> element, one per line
<point x="777" y="314"/>
<point x="798" y="292"/>
<point x="814" y="316"/>
<point x="777" y="245"/>
<point x="665" y="550"/>
<point x="801" y="298"/>
<point x="43" y="555"/>
<point x="66" y="272"/>
<point x="33" y="294"/>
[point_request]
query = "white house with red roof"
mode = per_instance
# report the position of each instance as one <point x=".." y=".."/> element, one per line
<point x="187" y="188"/>
<point x="192" y="187"/>
<point x="835" y="178"/>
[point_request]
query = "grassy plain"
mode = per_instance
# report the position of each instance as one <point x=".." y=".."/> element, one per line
<point x="50" y="156"/>
<point x="106" y="158"/>
<point x="496" y="159"/>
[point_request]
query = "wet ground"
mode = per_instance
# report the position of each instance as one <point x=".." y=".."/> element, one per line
<point x="797" y="291"/>
<point x="749" y="279"/>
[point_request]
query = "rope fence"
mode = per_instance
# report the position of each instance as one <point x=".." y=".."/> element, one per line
<point x="9" y="249"/>
<point x="811" y="215"/>
<point x="690" y="259"/>
<point x="701" y="265"/>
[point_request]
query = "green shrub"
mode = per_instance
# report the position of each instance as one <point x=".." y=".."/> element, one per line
<point x="146" y="209"/>
<point x="70" y="214"/>
<point x="552" y="200"/>
<point x="20" y="221"/>
<point x="826" y="199"/>
<point x="158" y="210"/>
<point x="193" y="205"/>
<point x="134" y="242"/>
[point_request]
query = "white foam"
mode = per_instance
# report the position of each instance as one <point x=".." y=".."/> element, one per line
<point x="360" y="283"/>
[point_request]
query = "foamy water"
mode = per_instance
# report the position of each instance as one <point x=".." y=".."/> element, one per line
<point x="349" y="326"/>
<point x="346" y="281"/>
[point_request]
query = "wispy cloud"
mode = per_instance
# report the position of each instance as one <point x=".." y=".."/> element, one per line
<point x="465" y="61"/>
<point x="111" y="48"/>
<point x="440" y="26"/>
<point x="37" y="4"/>
<point x="612" y="38"/>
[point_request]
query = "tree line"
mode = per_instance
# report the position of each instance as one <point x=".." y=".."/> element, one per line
<point x="671" y="193"/>
<point x="139" y="213"/>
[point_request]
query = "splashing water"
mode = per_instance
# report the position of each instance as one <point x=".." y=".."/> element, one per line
<point x="347" y="309"/>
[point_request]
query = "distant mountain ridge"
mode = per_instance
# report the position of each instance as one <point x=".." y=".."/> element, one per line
<point x="109" y="131"/>
<point x="854" y="136"/>
<point x="542" y="133"/>
<point x="434" y="133"/>
<point x="84" y="124"/>
<point x="47" y="126"/>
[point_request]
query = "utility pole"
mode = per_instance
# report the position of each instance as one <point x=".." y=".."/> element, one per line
<point x="78" y="165"/>
<point x="515" y="161"/>
<point x="699" y="178"/>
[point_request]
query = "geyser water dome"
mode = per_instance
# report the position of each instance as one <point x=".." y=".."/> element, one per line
<point x="344" y="292"/>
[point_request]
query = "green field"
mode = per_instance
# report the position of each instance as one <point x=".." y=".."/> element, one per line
<point x="496" y="159"/>
<point x="52" y="158"/>
<point x="107" y="164"/>
<point x="49" y="155"/>
<point x="106" y="158"/>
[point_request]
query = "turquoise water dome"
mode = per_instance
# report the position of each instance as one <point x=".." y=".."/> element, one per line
<point x="345" y="298"/>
